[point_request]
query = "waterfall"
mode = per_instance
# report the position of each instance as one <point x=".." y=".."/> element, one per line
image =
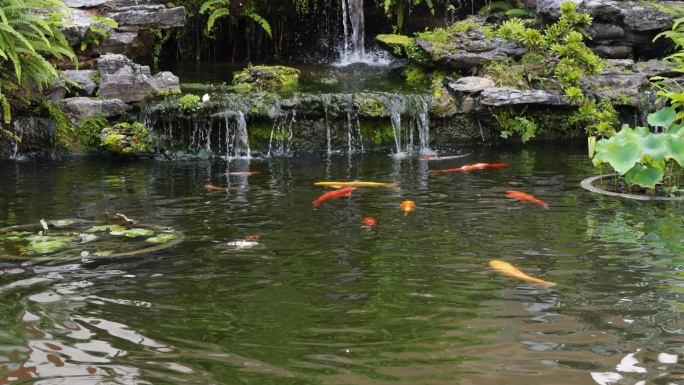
<point x="423" y="124"/>
<point x="282" y="132"/>
<point x="395" y="107"/>
<point x="353" y="50"/>
<point x="649" y="105"/>
<point x="241" y="139"/>
<point x="327" y="99"/>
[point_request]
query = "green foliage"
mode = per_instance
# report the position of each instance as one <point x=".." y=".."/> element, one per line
<point x="600" y="119"/>
<point x="506" y="74"/>
<point x="140" y="138"/>
<point x="515" y="122"/>
<point x="189" y="102"/>
<point x="24" y="34"/>
<point x="96" y="34"/>
<point x="416" y="74"/>
<point x="167" y="93"/>
<point x="221" y="8"/>
<point x="95" y="77"/>
<point x="641" y="156"/>
<point x="676" y="33"/>
<point x="396" y="8"/>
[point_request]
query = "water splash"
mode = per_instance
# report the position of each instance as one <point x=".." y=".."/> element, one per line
<point x="241" y="140"/>
<point x="353" y="49"/>
<point x="327" y="99"/>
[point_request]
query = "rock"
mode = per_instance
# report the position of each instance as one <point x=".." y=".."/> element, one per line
<point x="600" y="31"/>
<point x="466" y="49"/>
<point x="394" y="44"/>
<point x="505" y="96"/>
<point x="122" y="79"/>
<point x="612" y="51"/>
<point x="647" y="17"/>
<point x="77" y="108"/>
<point x="510" y="48"/>
<point x="90" y="3"/>
<point x="621" y="64"/>
<point x="85" y="80"/>
<point x="134" y="18"/>
<point x="471" y="84"/>
<point x="128" y="140"/>
<point x="614" y="84"/>
<point x="657" y="68"/>
<point x="265" y="77"/>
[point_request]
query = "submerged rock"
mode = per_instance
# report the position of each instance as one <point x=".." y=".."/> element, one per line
<point x="122" y="79"/>
<point x="265" y="78"/>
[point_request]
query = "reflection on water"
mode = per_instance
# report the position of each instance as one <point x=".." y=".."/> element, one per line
<point x="327" y="299"/>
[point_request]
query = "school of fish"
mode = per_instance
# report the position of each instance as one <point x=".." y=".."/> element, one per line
<point x="346" y="188"/>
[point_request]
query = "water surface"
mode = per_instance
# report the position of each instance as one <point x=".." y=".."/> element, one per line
<point x="326" y="300"/>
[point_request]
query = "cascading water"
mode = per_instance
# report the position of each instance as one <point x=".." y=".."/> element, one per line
<point x="241" y="140"/>
<point x="394" y="105"/>
<point x="327" y="99"/>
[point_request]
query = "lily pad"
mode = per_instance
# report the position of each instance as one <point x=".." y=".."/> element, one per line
<point x="161" y="238"/>
<point x="18" y="233"/>
<point x="132" y="232"/>
<point x="47" y="244"/>
<point x="104" y="228"/>
<point x="87" y="237"/>
<point x="61" y="223"/>
<point x="15" y="239"/>
<point x="102" y="253"/>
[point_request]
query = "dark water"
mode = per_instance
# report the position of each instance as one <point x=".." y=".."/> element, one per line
<point x="324" y="299"/>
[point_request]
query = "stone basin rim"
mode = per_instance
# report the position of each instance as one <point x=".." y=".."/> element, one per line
<point x="588" y="184"/>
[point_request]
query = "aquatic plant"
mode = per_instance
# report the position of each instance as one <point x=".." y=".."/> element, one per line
<point x="642" y="157"/>
<point x="189" y="102"/>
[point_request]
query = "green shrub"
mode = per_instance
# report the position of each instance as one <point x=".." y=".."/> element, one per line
<point x="190" y="102"/>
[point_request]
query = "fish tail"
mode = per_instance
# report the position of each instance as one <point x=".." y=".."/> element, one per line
<point x="406" y="213"/>
<point x="317" y="202"/>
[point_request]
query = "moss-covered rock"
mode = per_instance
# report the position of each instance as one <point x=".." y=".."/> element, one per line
<point x="394" y="44"/>
<point x="263" y="78"/>
<point x="127" y="140"/>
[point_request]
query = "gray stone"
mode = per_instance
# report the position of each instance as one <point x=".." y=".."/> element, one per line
<point x="510" y="48"/>
<point x="599" y="31"/>
<point x="471" y="84"/>
<point x="147" y="17"/>
<point x="130" y="82"/>
<point x="646" y="18"/>
<point x="612" y="51"/>
<point x="82" y="107"/>
<point x="657" y="68"/>
<point x="117" y="43"/>
<point x="467" y="104"/>
<point x="505" y="96"/>
<point x="612" y="84"/>
<point x="467" y="49"/>
<point x="84" y="79"/>
<point x="621" y="64"/>
<point x="90" y="3"/>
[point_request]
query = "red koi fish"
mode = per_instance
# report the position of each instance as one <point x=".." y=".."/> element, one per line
<point x="343" y="192"/>
<point x="244" y="173"/>
<point x="525" y="197"/>
<point x="252" y="238"/>
<point x="369" y="221"/>
<point x="476" y="166"/>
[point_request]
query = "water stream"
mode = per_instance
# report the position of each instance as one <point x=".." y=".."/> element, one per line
<point x="324" y="299"/>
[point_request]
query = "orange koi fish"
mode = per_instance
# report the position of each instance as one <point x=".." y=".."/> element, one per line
<point x="354" y="184"/>
<point x="525" y="197"/>
<point x="509" y="270"/>
<point x="212" y="187"/>
<point x="252" y="238"/>
<point x="244" y="173"/>
<point x="407" y="206"/>
<point x="343" y="192"/>
<point x="476" y="166"/>
<point x="369" y="221"/>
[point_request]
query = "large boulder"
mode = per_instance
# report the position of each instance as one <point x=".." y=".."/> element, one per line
<point x="464" y="50"/>
<point x="505" y="96"/>
<point x="617" y="85"/>
<point x="123" y="79"/>
<point x="77" y="108"/>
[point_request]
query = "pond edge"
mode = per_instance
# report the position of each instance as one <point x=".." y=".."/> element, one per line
<point x="588" y="184"/>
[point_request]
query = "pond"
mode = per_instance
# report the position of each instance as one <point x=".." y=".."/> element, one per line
<point x="321" y="298"/>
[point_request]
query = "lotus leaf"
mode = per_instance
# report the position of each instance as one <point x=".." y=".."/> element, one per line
<point x="663" y="117"/>
<point x="676" y="148"/>
<point x="15" y="239"/>
<point x="46" y="244"/>
<point x="161" y="238"/>
<point x="102" y="253"/>
<point x="629" y="175"/>
<point x="654" y="145"/>
<point x="62" y="223"/>
<point x="622" y="158"/>
<point x="104" y="228"/>
<point x="649" y="177"/>
<point x="132" y="232"/>
<point x="19" y="233"/>
<point x="675" y="128"/>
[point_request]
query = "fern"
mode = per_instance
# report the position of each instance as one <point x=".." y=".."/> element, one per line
<point x="262" y="22"/>
<point x="495" y="5"/>
<point x="24" y="35"/>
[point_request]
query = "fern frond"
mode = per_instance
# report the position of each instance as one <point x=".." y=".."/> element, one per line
<point x="262" y="22"/>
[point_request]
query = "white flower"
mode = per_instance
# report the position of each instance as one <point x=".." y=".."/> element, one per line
<point x="205" y="98"/>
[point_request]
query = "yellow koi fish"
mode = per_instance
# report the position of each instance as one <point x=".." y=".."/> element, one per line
<point x="509" y="270"/>
<point x="354" y="184"/>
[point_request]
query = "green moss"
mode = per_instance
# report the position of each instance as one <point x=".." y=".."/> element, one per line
<point x="90" y="130"/>
<point x="127" y="139"/>
<point x="113" y="143"/>
<point x="167" y="93"/>
<point x="441" y="38"/>
<point x="65" y="134"/>
<point x="377" y="131"/>
<point x="95" y="77"/>
<point x="416" y="74"/>
<point x="506" y="74"/>
<point x="397" y="43"/>
<point x="242" y="87"/>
